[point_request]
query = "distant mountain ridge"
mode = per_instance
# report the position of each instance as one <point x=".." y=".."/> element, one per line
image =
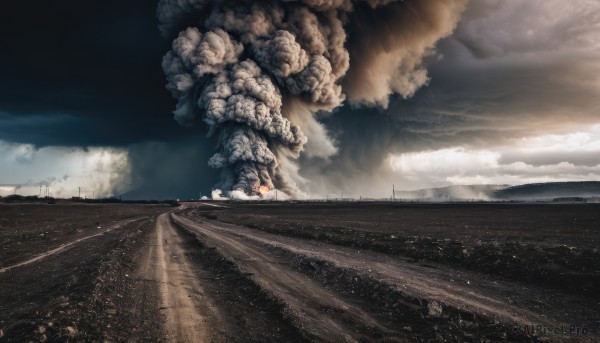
<point x="550" y="190"/>
<point x="533" y="191"/>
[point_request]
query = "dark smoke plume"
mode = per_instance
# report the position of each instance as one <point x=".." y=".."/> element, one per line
<point x="257" y="72"/>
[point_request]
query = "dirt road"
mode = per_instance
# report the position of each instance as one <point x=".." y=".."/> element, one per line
<point x="194" y="303"/>
<point x="139" y="280"/>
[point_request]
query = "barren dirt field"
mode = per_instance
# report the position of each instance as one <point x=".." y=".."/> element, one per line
<point x="282" y="272"/>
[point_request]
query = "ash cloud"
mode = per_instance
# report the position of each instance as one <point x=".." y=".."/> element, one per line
<point x="258" y="73"/>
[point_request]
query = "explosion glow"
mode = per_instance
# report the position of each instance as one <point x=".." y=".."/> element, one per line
<point x="264" y="190"/>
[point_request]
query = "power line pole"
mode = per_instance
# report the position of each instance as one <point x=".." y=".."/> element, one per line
<point x="393" y="193"/>
<point x="79" y="192"/>
<point x="275" y="194"/>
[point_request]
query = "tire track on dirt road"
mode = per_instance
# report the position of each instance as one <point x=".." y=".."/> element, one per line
<point x="320" y="313"/>
<point x="57" y="299"/>
<point x="426" y="282"/>
<point x="189" y="315"/>
<point x="63" y="247"/>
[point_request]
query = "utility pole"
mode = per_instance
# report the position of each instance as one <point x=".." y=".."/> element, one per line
<point x="275" y="194"/>
<point x="393" y="193"/>
<point x="40" y="191"/>
<point x="79" y="192"/>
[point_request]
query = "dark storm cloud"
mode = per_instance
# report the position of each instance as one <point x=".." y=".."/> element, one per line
<point x="82" y="73"/>
<point x="169" y="170"/>
<point x="79" y="74"/>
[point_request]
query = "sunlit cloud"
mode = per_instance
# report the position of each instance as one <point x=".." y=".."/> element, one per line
<point x="583" y="141"/>
<point x="461" y="166"/>
<point x="26" y="170"/>
<point x="450" y="161"/>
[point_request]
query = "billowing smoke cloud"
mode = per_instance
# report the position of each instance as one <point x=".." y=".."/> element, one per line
<point x="257" y="72"/>
<point x="388" y="45"/>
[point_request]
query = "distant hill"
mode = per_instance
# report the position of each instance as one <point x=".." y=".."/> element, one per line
<point x="451" y="193"/>
<point x="527" y="192"/>
<point x="549" y="190"/>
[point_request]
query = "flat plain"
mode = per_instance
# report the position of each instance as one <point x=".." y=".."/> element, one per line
<point x="304" y="271"/>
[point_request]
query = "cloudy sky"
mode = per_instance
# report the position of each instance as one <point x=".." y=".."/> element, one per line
<point x="513" y="97"/>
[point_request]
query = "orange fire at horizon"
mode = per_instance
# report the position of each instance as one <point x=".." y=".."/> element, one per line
<point x="264" y="190"/>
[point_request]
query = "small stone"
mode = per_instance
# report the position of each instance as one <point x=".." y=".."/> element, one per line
<point x="41" y="329"/>
<point x="435" y="309"/>
<point x="71" y="331"/>
<point x="407" y="328"/>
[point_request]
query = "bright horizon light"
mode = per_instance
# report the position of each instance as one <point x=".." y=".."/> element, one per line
<point x="497" y="165"/>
